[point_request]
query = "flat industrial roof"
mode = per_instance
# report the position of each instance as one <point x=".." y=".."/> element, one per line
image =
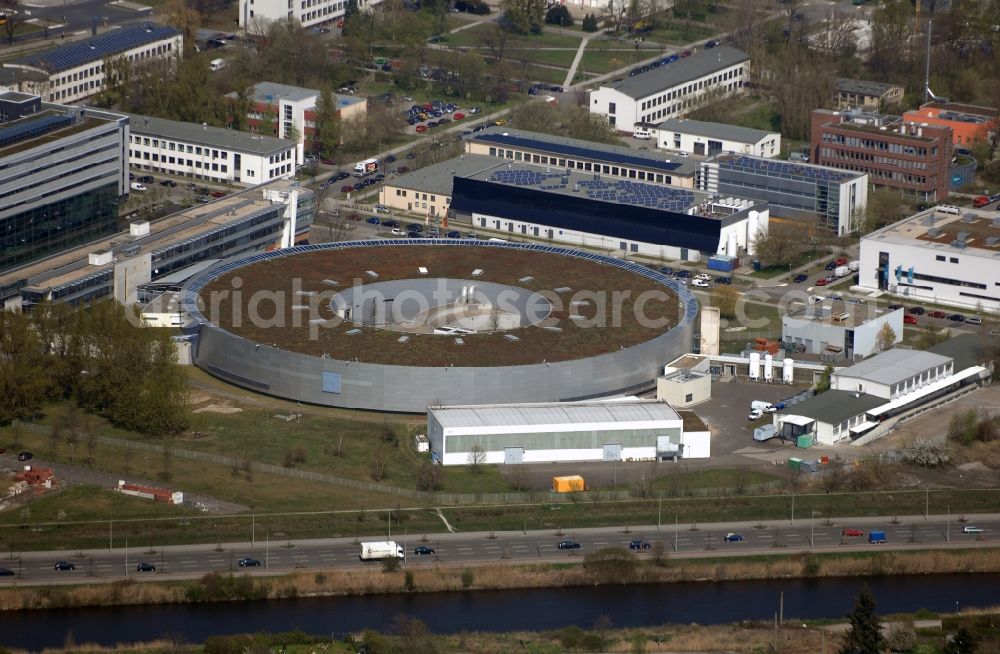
<point x="74" y="264"/>
<point x="863" y="87"/>
<point x="437" y="178"/>
<point x="218" y="137"/>
<point x="715" y="130"/>
<point x="893" y="366"/>
<point x="838" y="313"/>
<point x="95" y="48"/>
<point x="948" y="230"/>
<point x="833" y="407"/>
<point x="268" y="91"/>
<point x="553" y="413"/>
<point x="683" y="70"/>
<point x="581" y="149"/>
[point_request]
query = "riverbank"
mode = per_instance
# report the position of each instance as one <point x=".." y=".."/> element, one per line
<point x="612" y="567"/>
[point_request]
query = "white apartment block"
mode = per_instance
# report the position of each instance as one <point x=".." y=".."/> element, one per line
<point x="209" y="153"/>
<point x="311" y="13"/>
<point x="76" y="71"/>
<point x="672" y="90"/>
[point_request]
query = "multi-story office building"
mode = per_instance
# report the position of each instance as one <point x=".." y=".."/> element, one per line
<point x="837" y="198"/>
<point x="274" y="215"/>
<point x="289" y="112"/>
<point x="63" y="171"/>
<point x="944" y="255"/>
<point x="211" y="153"/>
<point x="895" y="153"/>
<point x="969" y="124"/>
<point x="78" y="70"/>
<point x="862" y="94"/>
<point x="256" y="14"/>
<point x="672" y="90"/>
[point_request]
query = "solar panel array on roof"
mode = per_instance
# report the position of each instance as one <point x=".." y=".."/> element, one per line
<point x="773" y="168"/>
<point x="595" y="154"/>
<point x="98" y="47"/>
<point x="620" y="191"/>
<point x="33" y="127"/>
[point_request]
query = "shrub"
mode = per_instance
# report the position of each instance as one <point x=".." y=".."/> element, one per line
<point x="468" y="578"/>
<point x="927" y="455"/>
<point x="390" y="564"/>
<point x="570" y="637"/>
<point x="901" y="638"/>
<point x="408" y="581"/>
<point x="611" y="564"/>
<point x="590" y="23"/>
<point x="592" y="643"/>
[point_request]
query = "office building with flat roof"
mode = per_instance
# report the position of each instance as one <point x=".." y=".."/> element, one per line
<point x="672" y="90"/>
<point x="63" y="173"/>
<point x="208" y="153"/>
<point x="707" y="139"/>
<point x="266" y="217"/>
<point x="895" y="153"/>
<point x="78" y="70"/>
<point x="255" y="15"/>
<point x="944" y="255"/>
<point x="866" y="95"/>
<point x="796" y="191"/>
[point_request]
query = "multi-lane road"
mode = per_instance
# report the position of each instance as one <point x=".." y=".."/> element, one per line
<point x="680" y="541"/>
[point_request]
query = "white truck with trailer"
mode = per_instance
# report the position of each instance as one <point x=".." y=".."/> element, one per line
<point x="386" y="549"/>
<point x="366" y="167"/>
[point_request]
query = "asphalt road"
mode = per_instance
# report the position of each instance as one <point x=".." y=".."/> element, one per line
<point x="682" y="541"/>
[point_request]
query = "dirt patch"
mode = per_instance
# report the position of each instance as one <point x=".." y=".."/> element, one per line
<point x="218" y="408"/>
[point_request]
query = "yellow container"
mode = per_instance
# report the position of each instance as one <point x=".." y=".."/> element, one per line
<point x="567" y="484"/>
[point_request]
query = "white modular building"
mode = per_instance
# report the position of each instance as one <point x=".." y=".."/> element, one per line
<point x="840" y="329"/>
<point x="208" y="153"/>
<point x="944" y="255"/>
<point x="78" y="70"/>
<point x="626" y="430"/>
<point x="707" y="139"/>
<point x="672" y="90"/>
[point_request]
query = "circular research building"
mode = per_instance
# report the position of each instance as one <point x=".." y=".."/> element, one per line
<point x="400" y="325"/>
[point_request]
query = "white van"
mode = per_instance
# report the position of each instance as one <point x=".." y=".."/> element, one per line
<point x="642" y="133"/>
<point x="217" y="64"/>
<point x="765" y="407"/>
<point x="136" y="186"/>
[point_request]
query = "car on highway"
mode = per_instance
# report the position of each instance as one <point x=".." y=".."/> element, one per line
<point x="937" y="314"/>
<point x="639" y="544"/>
<point x="25" y="456"/>
<point x="4" y="572"/>
<point x="800" y="278"/>
<point x="840" y="261"/>
<point x="145" y="567"/>
<point x="918" y="311"/>
<point x="972" y="530"/>
<point x="64" y="565"/>
<point x="423" y="550"/>
<point x="247" y="562"/>
<point x="373" y="220"/>
<point x="909" y="320"/>
<point x="568" y="545"/>
<point x="852" y="532"/>
<point x="732" y="538"/>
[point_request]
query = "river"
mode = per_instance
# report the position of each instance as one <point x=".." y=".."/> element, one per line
<point x="533" y="610"/>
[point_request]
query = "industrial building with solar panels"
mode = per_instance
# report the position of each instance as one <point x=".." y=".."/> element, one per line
<point x="583" y="209"/>
<point x="76" y="70"/>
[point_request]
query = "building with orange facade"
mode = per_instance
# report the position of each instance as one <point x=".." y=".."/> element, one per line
<point x="968" y="123"/>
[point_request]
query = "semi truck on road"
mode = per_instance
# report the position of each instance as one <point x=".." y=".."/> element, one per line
<point x="376" y="551"/>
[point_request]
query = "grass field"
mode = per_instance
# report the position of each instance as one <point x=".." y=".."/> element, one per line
<point x="477" y="36"/>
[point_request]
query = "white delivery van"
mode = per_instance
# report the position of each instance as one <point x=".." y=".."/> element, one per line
<point x="766" y="407"/>
<point x="642" y="133"/>
<point x="217" y="64"/>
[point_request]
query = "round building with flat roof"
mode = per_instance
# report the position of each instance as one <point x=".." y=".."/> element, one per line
<point x="400" y="325"/>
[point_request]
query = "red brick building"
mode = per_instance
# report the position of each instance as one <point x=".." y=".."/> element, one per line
<point x="912" y="157"/>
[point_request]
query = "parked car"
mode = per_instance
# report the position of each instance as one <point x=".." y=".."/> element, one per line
<point x="800" y="278"/>
<point x="568" y="545"/>
<point x="373" y="221"/>
<point x="347" y="188"/>
<point x="138" y="187"/>
<point x="851" y="532"/>
<point x="725" y="281"/>
<point x="423" y="550"/>
<point x="64" y="565"/>
<point x="168" y="182"/>
<point x="909" y="320"/>
<point x="683" y="273"/>
<point x="700" y="283"/>
<point x="218" y="194"/>
<point x="390" y="158"/>
<point x="956" y="317"/>
<point x="414" y="227"/>
<point x="917" y="311"/>
<point x="145" y="567"/>
<point x="755" y="414"/>
<point x="396" y="231"/>
<point x="458" y="115"/>
<point x="381" y="208"/>
<point x="474" y="110"/>
<point x="686" y="53"/>
<point x="703" y="276"/>
<point x="841" y="261"/>
<point x="639" y="544"/>
<point x="146" y="179"/>
<point x="937" y="314"/>
<point x="831" y="265"/>
<point x="402" y="170"/>
<point x="972" y="530"/>
<point x="821" y="281"/>
<point x="973" y="320"/>
<point x="420" y="129"/>
<point x="732" y="538"/>
<point x="390" y="223"/>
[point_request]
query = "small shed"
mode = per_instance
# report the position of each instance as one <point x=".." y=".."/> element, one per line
<point x="568" y="484"/>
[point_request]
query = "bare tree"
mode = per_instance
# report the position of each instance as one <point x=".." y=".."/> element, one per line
<point x="11" y="9"/>
<point x="377" y="464"/>
<point x="496" y="39"/>
<point x="517" y="475"/>
<point x="477" y="458"/>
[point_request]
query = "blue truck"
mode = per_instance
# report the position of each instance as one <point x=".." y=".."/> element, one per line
<point x="876" y="537"/>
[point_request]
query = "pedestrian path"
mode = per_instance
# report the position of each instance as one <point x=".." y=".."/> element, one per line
<point x="576" y="62"/>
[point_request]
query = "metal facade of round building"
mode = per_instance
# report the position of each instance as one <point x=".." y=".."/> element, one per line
<point x="400" y="325"/>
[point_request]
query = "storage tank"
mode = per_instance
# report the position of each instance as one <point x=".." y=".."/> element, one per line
<point x="755" y="366"/>
<point x="768" y="367"/>
<point x="731" y="244"/>
<point x="787" y="370"/>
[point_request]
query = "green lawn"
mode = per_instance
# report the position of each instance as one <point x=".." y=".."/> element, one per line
<point x="475" y="37"/>
<point x="677" y="33"/>
<point x="563" y="58"/>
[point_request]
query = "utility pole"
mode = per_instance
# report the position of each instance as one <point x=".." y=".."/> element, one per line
<point x="793" y="506"/>
<point x="947" y="533"/>
<point x="267" y="547"/>
<point x="126" y="557"/>
<point x="659" y="512"/>
<point x="253" y="528"/>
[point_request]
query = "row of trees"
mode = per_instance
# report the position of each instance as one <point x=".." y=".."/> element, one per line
<point x="95" y="357"/>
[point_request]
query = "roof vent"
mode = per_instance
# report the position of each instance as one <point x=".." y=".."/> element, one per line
<point x="352" y="332"/>
<point x="991" y="241"/>
<point x="996" y="222"/>
<point x="402" y="339"/>
<point x="962" y="236"/>
<point x="934" y="232"/>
